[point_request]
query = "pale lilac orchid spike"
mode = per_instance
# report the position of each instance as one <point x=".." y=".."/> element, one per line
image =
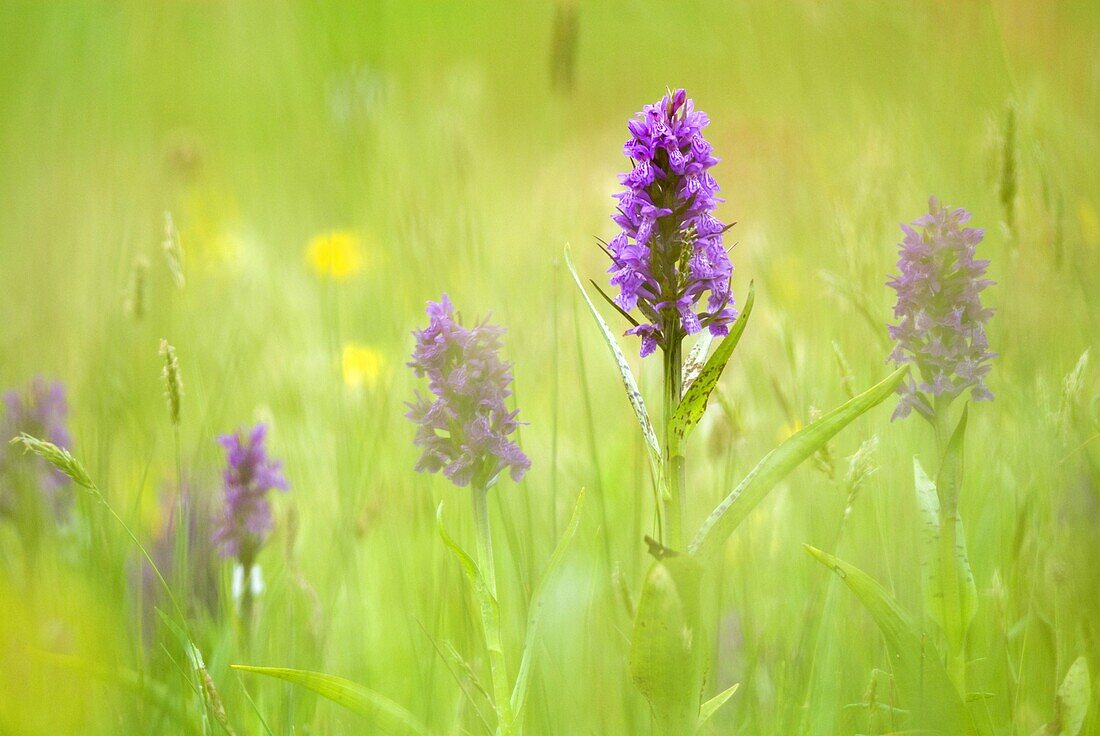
<point x="464" y="428"/>
<point x="941" y="320"/>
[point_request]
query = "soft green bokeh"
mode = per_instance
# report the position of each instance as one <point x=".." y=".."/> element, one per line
<point x="432" y="132"/>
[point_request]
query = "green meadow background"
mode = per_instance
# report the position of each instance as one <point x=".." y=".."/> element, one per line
<point x="435" y="134"/>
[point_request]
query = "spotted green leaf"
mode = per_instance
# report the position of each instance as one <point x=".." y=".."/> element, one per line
<point x="694" y="403"/>
<point x="696" y="359"/>
<point x="665" y="649"/>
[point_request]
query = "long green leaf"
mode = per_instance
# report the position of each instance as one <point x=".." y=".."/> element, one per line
<point x="779" y="462"/>
<point x="631" y="385"/>
<point x="923" y="683"/>
<point x="928" y="506"/>
<point x="665" y="649"/>
<point x="694" y="403"/>
<point x="534" y="612"/>
<point x="960" y="594"/>
<point x="468" y="565"/>
<point x="949" y="477"/>
<point x="351" y="695"/>
<point x="935" y="569"/>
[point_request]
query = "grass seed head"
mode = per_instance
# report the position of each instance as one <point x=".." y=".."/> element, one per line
<point x="173" y="383"/>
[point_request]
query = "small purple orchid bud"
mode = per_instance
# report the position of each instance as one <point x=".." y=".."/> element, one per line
<point x="248" y="477"/>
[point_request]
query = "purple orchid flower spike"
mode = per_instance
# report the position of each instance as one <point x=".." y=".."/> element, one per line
<point x="669" y="253"/>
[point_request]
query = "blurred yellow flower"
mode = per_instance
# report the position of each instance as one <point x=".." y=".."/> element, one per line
<point x="362" y="366"/>
<point x="788" y="430"/>
<point x="336" y="254"/>
<point x="1090" y="222"/>
<point x="226" y="248"/>
<point x="208" y="227"/>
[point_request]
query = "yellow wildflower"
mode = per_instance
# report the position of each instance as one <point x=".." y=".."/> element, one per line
<point x="336" y="254"/>
<point x="361" y="365"/>
<point x="209" y="225"/>
<point x="1090" y="222"/>
<point x="788" y="430"/>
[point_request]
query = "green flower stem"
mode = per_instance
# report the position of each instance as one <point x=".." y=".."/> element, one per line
<point x="949" y="514"/>
<point x="247" y="609"/>
<point x="490" y="613"/>
<point x="674" y="466"/>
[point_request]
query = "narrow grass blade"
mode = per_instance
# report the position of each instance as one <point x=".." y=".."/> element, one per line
<point x="665" y="650"/>
<point x="779" y="462"/>
<point x="534" y="613"/>
<point x="255" y="708"/>
<point x="490" y="614"/>
<point x="151" y="691"/>
<point x="923" y="683"/>
<point x="711" y="707"/>
<point x="354" y="697"/>
<point x="631" y="385"/>
<point x="64" y="461"/>
<point x="208" y="692"/>
<point x="463" y="674"/>
<point x="694" y="403"/>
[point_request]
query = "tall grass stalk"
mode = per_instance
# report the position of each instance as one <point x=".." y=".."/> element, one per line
<point x="66" y="463"/>
<point x="173" y="387"/>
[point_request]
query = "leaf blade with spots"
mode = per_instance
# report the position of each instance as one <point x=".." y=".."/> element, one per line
<point x="694" y="403"/>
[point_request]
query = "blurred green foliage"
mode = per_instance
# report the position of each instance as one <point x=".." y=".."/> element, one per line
<point x="455" y="143"/>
